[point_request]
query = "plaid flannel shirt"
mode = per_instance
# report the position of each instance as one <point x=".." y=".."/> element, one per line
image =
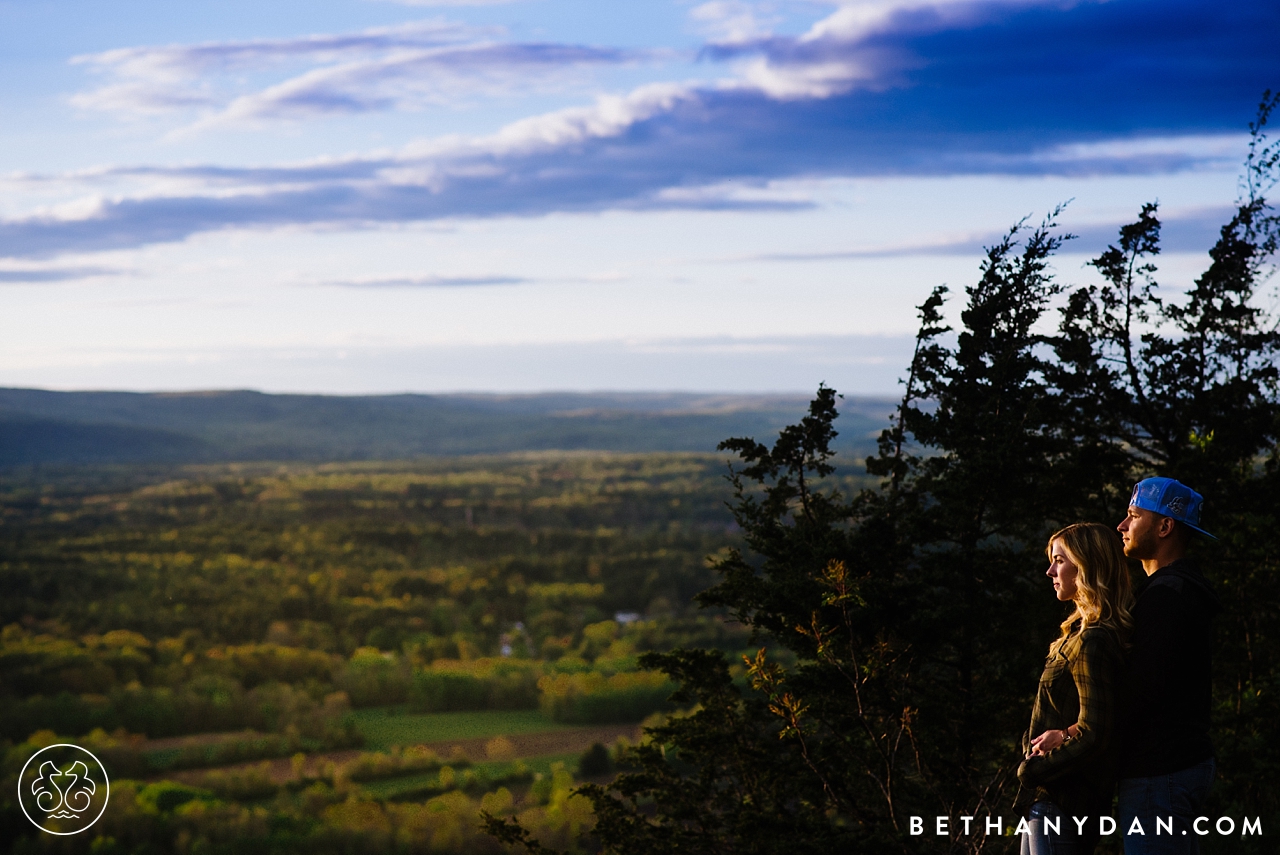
<point x="1080" y="685"/>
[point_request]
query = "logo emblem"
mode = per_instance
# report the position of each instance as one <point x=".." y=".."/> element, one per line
<point x="1178" y="504"/>
<point x="63" y="789"/>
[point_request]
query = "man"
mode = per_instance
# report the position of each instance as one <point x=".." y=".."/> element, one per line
<point x="1166" y="758"/>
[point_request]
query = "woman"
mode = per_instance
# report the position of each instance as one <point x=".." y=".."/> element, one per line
<point x="1069" y="770"/>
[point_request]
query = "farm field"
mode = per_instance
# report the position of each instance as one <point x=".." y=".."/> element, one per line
<point x="508" y="748"/>
<point x="525" y="735"/>
<point x="384" y="728"/>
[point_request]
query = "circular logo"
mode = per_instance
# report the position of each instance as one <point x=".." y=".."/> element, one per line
<point x="63" y="789"/>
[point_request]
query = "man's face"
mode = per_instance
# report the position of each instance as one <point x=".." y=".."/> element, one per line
<point x="1140" y="531"/>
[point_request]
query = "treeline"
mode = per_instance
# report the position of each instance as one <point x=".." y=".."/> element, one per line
<point x="305" y="694"/>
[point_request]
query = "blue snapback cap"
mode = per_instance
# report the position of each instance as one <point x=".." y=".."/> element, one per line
<point x="1170" y="498"/>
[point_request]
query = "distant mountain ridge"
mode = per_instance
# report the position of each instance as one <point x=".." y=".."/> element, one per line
<point x="44" y="427"/>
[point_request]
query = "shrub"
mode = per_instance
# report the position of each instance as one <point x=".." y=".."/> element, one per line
<point x="164" y="796"/>
<point x="251" y="782"/>
<point x="594" y="762"/>
<point x="480" y="684"/>
<point x="592" y="698"/>
<point x="373" y="678"/>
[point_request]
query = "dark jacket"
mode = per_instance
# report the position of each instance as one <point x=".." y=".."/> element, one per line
<point x="1079" y="686"/>
<point x="1168" y="690"/>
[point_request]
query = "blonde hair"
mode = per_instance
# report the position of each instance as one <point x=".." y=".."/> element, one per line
<point x="1104" y="591"/>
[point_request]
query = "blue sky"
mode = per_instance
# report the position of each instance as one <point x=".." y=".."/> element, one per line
<point x="434" y="195"/>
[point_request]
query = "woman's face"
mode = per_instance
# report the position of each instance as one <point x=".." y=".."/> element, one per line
<point x="1062" y="570"/>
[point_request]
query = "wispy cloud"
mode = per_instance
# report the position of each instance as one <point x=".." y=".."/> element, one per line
<point x="430" y="281"/>
<point x="168" y="77"/>
<point x="1188" y="230"/>
<point x="403" y="67"/>
<point x="180" y="61"/>
<point x="30" y="275"/>
<point x="731" y="22"/>
<point x="409" y="79"/>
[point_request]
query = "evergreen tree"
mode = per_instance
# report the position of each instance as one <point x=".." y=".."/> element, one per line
<point x="906" y="611"/>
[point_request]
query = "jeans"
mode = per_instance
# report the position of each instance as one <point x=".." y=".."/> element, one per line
<point x="1064" y="842"/>
<point x="1179" y="796"/>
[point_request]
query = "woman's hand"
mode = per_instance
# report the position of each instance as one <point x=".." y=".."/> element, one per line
<point x="1048" y="741"/>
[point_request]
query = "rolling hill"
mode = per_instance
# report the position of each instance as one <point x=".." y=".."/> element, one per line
<point x="44" y="427"/>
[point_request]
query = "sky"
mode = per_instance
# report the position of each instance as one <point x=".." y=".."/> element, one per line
<point x="372" y="196"/>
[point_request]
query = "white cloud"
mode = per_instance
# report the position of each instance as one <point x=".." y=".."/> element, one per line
<point x="839" y="52"/>
<point x="854" y="20"/>
<point x="806" y="79"/>
<point x="609" y="116"/>
<point x="735" y="21"/>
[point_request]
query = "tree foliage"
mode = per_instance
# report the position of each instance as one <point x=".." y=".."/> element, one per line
<point x="903" y="626"/>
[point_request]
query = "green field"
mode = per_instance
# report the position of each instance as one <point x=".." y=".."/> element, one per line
<point x="387" y="727"/>
<point x="391" y="788"/>
<point x="543" y="765"/>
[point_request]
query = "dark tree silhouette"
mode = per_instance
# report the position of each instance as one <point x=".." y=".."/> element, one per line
<point x="903" y="627"/>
